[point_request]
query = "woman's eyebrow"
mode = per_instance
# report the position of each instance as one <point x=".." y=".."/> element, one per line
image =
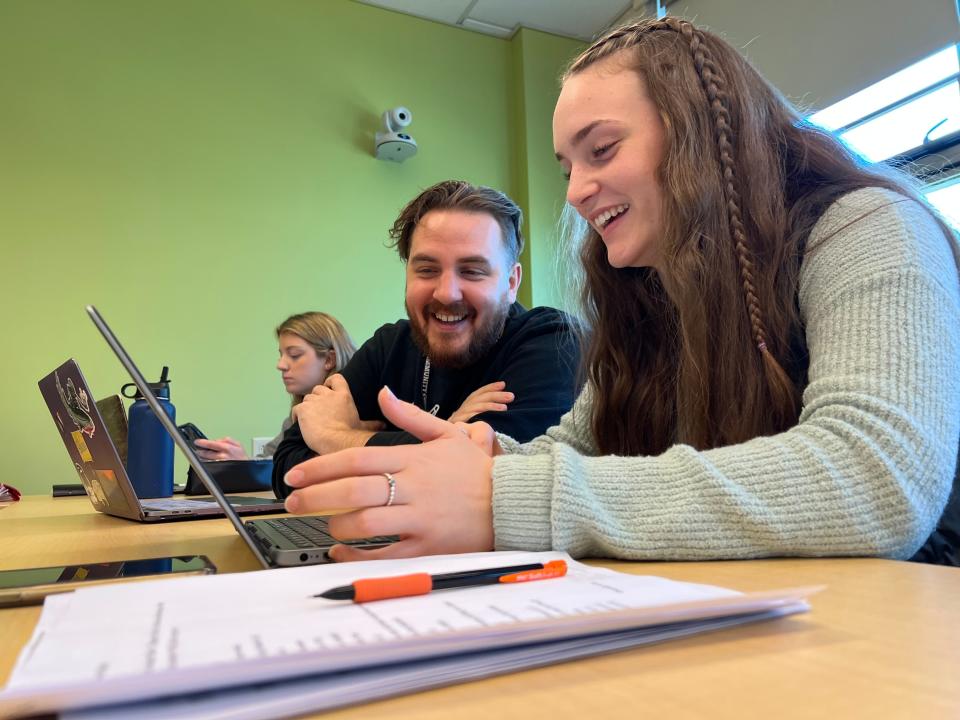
<point x="582" y="133"/>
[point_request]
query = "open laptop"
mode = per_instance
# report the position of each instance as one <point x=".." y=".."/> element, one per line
<point x="97" y="461"/>
<point x="280" y="542"/>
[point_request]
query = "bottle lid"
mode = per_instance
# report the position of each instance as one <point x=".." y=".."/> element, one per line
<point x="161" y="389"/>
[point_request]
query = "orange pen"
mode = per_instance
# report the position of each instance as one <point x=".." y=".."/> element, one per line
<point x="422" y="583"/>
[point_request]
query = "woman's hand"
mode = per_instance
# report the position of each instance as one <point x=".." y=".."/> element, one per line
<point x="492" y="397"/>
<point x="483" y="436"/>
<point x="442" y="501"/>
<point x="226" y="448"/>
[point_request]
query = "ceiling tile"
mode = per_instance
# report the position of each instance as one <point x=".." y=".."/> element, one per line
<point x="573" y="18"/>
<point x="471" y="24"/>
<point x="446" y="11"/>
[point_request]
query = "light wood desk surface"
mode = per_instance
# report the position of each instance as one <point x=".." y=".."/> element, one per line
<point x="882" y="641"/>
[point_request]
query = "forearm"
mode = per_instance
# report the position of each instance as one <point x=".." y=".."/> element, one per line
<point x="866" y="471"/>
<point x="335" y="440"/>
<point x="809" y="492"/>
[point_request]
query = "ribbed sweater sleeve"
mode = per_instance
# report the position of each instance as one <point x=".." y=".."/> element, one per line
<point x="868" y="467"/>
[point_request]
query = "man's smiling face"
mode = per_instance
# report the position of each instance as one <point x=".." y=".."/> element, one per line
<point x="460" y="285"/>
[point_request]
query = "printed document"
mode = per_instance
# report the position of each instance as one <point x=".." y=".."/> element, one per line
<point x="118" y="643"/>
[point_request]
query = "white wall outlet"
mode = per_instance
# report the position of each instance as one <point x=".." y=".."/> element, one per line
<point x="258" y="443"/>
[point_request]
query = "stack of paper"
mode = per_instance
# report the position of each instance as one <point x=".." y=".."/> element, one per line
<point x="272" y="650"/>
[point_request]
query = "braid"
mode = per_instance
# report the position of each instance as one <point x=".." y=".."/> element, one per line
<point x="783" y="391"/>
<point x="714" y="87"/>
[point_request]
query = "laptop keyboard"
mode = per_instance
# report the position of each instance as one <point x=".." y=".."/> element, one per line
<point x="313" y="532"/>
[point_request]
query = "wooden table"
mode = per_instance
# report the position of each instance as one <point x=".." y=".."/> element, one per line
<point x="882" y="641"/>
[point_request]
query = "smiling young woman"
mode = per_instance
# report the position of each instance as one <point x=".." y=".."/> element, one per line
<point x="769" y="316"/>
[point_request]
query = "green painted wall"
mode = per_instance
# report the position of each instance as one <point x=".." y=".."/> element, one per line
<point x="200" y="170"/>
<point x="538" y="60"/>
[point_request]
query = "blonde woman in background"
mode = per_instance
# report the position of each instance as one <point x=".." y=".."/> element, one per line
<point x="313" y="346"/>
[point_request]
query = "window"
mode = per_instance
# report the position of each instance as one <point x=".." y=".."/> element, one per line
<point x="945" y="197"/>
<point x="912" y="116"/>
<point x="919" y="104"/>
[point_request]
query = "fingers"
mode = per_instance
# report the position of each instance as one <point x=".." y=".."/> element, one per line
<point x="483" y="436"/>
<point x="337" y="383"/>
<point x="223" y="449"/>
<point x="490" y="387"/>
<point x="344" y="494"/>
<point x="406" y="416"/>
<point x="483" y="407"/>
<point x="223" y="445"/>
<point x="402" y="549"/>
<point x="492" y="392"/>
<point x="497" y="396"/>
<point x="374" y="522"/>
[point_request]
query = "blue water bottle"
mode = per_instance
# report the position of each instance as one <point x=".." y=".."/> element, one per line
<point x="149" y="447"/>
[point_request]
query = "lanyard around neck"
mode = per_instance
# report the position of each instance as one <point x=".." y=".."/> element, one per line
<point x="424" y="384"/>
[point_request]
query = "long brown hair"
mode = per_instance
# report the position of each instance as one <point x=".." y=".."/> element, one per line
<point x="709" y="349"/>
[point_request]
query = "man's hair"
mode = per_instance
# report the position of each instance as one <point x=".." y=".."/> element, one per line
<point x="460" y="195"/>
<point x="709" y="348"/>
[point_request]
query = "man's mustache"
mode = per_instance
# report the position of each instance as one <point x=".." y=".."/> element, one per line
<point x="436" y="308"/>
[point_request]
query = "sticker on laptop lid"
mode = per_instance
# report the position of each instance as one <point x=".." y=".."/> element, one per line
<point x="81" y="444"/>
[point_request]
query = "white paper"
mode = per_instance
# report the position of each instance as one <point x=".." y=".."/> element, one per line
<point x="145" y="639"/>
<point x="288" y="698"/>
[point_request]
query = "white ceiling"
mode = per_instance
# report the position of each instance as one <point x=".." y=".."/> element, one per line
<point x="581" y="19"/>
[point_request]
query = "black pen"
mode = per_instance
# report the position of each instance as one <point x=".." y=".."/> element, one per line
<point x="423" y="583"/>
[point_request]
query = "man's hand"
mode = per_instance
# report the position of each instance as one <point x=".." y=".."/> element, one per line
<point x="492" y="397"/>
<point x="329" y="421"/>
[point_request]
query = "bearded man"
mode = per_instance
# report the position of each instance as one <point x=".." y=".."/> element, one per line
<point x="467" y="350"/>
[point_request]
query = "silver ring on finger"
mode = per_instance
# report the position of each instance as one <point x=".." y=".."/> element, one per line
<point x="391" y="489"/>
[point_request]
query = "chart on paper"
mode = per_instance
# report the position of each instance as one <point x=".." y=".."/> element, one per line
<point x="270" y="614"/>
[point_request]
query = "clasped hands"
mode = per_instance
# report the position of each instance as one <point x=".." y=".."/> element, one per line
<point x="328" y="418"/>
<point x="443" y="487"/>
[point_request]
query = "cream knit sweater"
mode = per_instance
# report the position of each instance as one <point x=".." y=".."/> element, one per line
<point x="867" y="469"/>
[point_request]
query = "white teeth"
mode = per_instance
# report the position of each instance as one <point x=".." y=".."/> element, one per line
<point x="449" y="318"/>
<point x="603" y="218"/>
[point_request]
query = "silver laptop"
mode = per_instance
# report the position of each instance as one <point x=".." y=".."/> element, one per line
<point x="280" y="542"/>
<point x="97" y="461"/>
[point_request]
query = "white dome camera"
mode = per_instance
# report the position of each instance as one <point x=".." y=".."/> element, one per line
<point x="398" y="117"/>
<point x="391" y="144"/>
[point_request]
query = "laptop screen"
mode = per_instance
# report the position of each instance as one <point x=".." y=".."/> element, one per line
<point x="171" y="429"/>
<point x="88" y="442"/>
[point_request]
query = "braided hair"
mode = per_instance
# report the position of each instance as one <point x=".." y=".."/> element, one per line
<point x="709" y="349"/>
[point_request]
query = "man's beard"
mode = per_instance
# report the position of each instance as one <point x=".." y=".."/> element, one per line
<point x="484" y="336"/>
